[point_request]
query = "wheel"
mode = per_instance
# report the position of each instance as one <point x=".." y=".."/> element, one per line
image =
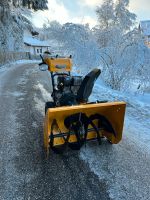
<point x="49" y="105"/>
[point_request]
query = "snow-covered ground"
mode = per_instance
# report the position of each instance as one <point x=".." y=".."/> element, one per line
<point x="136" y="138"/>
<point x="5" y="67"/>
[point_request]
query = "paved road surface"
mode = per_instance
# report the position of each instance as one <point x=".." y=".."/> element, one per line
<point x="24" y="172"/>
<point x="122" y="170"/>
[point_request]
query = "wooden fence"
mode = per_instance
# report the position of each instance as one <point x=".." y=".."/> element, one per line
<point x="6" y="57"/>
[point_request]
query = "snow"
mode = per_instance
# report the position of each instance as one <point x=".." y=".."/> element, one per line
<point x="5" y="67"/>
<point x="40" y="104"/>
<point x="35" y="42"/>
<point x="25" y="61"/>
<point x="145" y="27"/>
<point x="45" y="94"/>
<point x="107" y="161"/>
<point x="129" y="96"/>
<point x="119" y="166"/>
<point x="54" y="43"/>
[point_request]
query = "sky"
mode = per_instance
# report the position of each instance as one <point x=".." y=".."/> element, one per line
<point x="83" y="11"/>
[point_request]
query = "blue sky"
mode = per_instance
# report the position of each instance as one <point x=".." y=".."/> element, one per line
<point x="83" y="11"/>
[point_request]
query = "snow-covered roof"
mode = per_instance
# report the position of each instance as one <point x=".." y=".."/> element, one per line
<point x="35" y="42"/>
<point x="145" y="27"/>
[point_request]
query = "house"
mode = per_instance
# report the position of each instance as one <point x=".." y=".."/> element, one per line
<point x="35" y="46"/>
<point x="32" y="42"/>
<point x="145" y="30"/>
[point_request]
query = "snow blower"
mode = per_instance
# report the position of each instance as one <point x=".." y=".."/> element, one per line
<point x="70" y="120"/>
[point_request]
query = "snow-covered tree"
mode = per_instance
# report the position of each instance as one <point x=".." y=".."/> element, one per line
<point x="124" y="18"/>
<point x="12" y="22"/>
<point x="120" y="42"/>
<point x="105" y="14"/>
<point x="75" y="39"/>
<point x="30" y="4"/>
<point x="51" y="30"/>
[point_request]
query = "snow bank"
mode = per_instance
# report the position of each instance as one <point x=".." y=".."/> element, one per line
<point x="12" y="64"/>
<point x="113" y="162"/>
<point x="46" y="96"/>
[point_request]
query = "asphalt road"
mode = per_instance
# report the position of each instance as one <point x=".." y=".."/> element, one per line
<point x="25" y="174"/>
<point x="118" y="172"/>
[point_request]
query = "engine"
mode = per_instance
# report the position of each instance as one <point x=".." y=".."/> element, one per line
<point x="66" y="84"/>
<point x="69" y="81"/>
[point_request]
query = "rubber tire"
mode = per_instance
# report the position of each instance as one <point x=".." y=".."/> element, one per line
<point x="49" y="105"/>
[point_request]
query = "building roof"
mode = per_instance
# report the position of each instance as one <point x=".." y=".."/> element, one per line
<point x="145" y="27"/>
<point x="35" y="42"/>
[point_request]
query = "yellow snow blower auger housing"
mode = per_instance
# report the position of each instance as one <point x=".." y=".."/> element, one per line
<point x="70" y="120"/>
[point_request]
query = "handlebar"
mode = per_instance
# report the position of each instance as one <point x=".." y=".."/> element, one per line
<point x="52" y="57"/>
<point x="41" y="63"/>
<point x="42" y="58"/>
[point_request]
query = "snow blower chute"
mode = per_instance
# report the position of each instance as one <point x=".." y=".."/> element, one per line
<point x="70" y="120"/>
